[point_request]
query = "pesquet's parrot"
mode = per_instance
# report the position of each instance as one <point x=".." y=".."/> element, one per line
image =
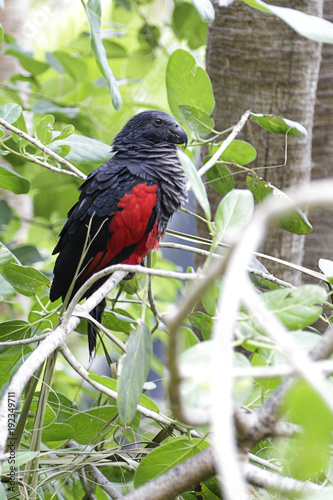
<point x="126" y="203"/>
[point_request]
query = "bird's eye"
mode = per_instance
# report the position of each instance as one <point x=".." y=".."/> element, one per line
<point x="158" y="121"/>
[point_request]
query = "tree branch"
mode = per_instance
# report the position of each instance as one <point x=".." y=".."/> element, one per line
<point x="43" y="351"/>
<point x="43" y="148"/>
<point x="103" y="483"/>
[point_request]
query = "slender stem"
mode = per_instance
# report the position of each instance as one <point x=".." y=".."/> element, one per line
<point x="43" y="148"/>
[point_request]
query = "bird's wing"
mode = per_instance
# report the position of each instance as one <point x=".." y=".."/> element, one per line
<point x="118" y="210"/>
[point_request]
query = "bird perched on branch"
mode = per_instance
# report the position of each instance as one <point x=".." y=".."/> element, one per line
<point x="125" y="205"/>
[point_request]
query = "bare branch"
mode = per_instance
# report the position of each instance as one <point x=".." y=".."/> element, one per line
<point x="44" y="350"/>
<point x="178" y="479"/>
<point x="236" y="130"/>
<point x="104" y="483"/>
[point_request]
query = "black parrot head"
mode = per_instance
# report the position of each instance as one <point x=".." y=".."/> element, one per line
<point x="151" y="127"/>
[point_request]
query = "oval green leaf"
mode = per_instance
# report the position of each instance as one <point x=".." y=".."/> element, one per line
<point x="88" y="424"/>
<point x="296" y="308"/>
<point x="12" y="181"/>
<point x="10" y="112"/>
<point x="187" y="83"/>
<point x="135" y="368"/>
<point x="167" y="456"/>
<point x="240" y="152"/>
<point x="278" y="125"/>
<point x="220" y="177"/>
<point x="84" y="150"/>
<point x="44" y="129"/>
<point x="234" y="212"/>
<point x="296" y="222"/>
<point x="197" y="119"/>
<point x="25" y="280"/>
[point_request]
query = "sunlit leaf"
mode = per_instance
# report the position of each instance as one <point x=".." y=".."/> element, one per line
<point x="279" y="125"/>
<point x="187" y="83"/>
<point x="84" y="150"/>
<point x="10" y="112"/>
<point x="240" y="152"/>
<point x="197" y="119"/>
<point x="234" y="212"/>
<point x="44" y="129"/>
<point x="205" y="9"/>
<point x="312" y="27"/>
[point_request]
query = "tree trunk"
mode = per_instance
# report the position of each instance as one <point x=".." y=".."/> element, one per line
<point x="256" y="61"/>
<point x="319" y="244"/>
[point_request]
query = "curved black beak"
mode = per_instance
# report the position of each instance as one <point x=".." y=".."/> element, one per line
<point x="177" y="135"/>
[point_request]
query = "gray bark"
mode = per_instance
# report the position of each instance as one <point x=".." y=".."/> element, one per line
<point x="256" y="61"/>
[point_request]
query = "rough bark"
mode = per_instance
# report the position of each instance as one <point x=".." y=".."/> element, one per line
<point x="319" y="243"/>
<point x="256" y="61"/>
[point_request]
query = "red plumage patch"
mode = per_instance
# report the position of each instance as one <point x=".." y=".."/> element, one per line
<point x="127" y="227"/>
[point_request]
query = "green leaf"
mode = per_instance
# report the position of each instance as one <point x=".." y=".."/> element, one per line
<point x="94" y="14"/>
<point x="202" y="322"/>
<point x="167" y="456"/>
<point x="308" y="453"/>
<point x="29" y="63"/>
<point x="44" y="129"/>
<point x="295" y="222"/>
<point x="27" y="255"/>
<point x="197" y="119"/>
<point x="20" y="124"/>
<point x="234" y="212"/>
<point x="84" y="150"/>
<point x="278" y="125"/>
<point x="57" y="431"/>
<point x="12" y="181"/>
<point x="6" y="255"/>
<point x="312" y="27"/>
<point x="296" y="308"/>
<point x="118" y="322"/>
<point x="187" y="338"/>
<point x="88" y="424"/>
<point x="66" y="132"/>
<point x="10" y="112"/>
<point x="240" y="152"/>
<point x="188" y="25"/>
<point x="187" y="83"/>
<point x="220" y="177"/>
<point x="135" y="368"/>
<point x="15" y="329"/>
<point x="197" y="185"/>
<point x="25" y="280"/>
<point x="205" y="9"/>
<point x="21" y="458"/>
<point x="111" y="383"/>
<point x="74" y="65"/>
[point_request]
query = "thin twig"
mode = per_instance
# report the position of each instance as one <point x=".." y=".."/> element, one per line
<point x="236" y="130"/>
<point x="103" y="483"/>
<point x="43" y="148"/>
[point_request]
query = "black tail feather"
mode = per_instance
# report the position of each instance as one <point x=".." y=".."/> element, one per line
<point x="97" y="314"/>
